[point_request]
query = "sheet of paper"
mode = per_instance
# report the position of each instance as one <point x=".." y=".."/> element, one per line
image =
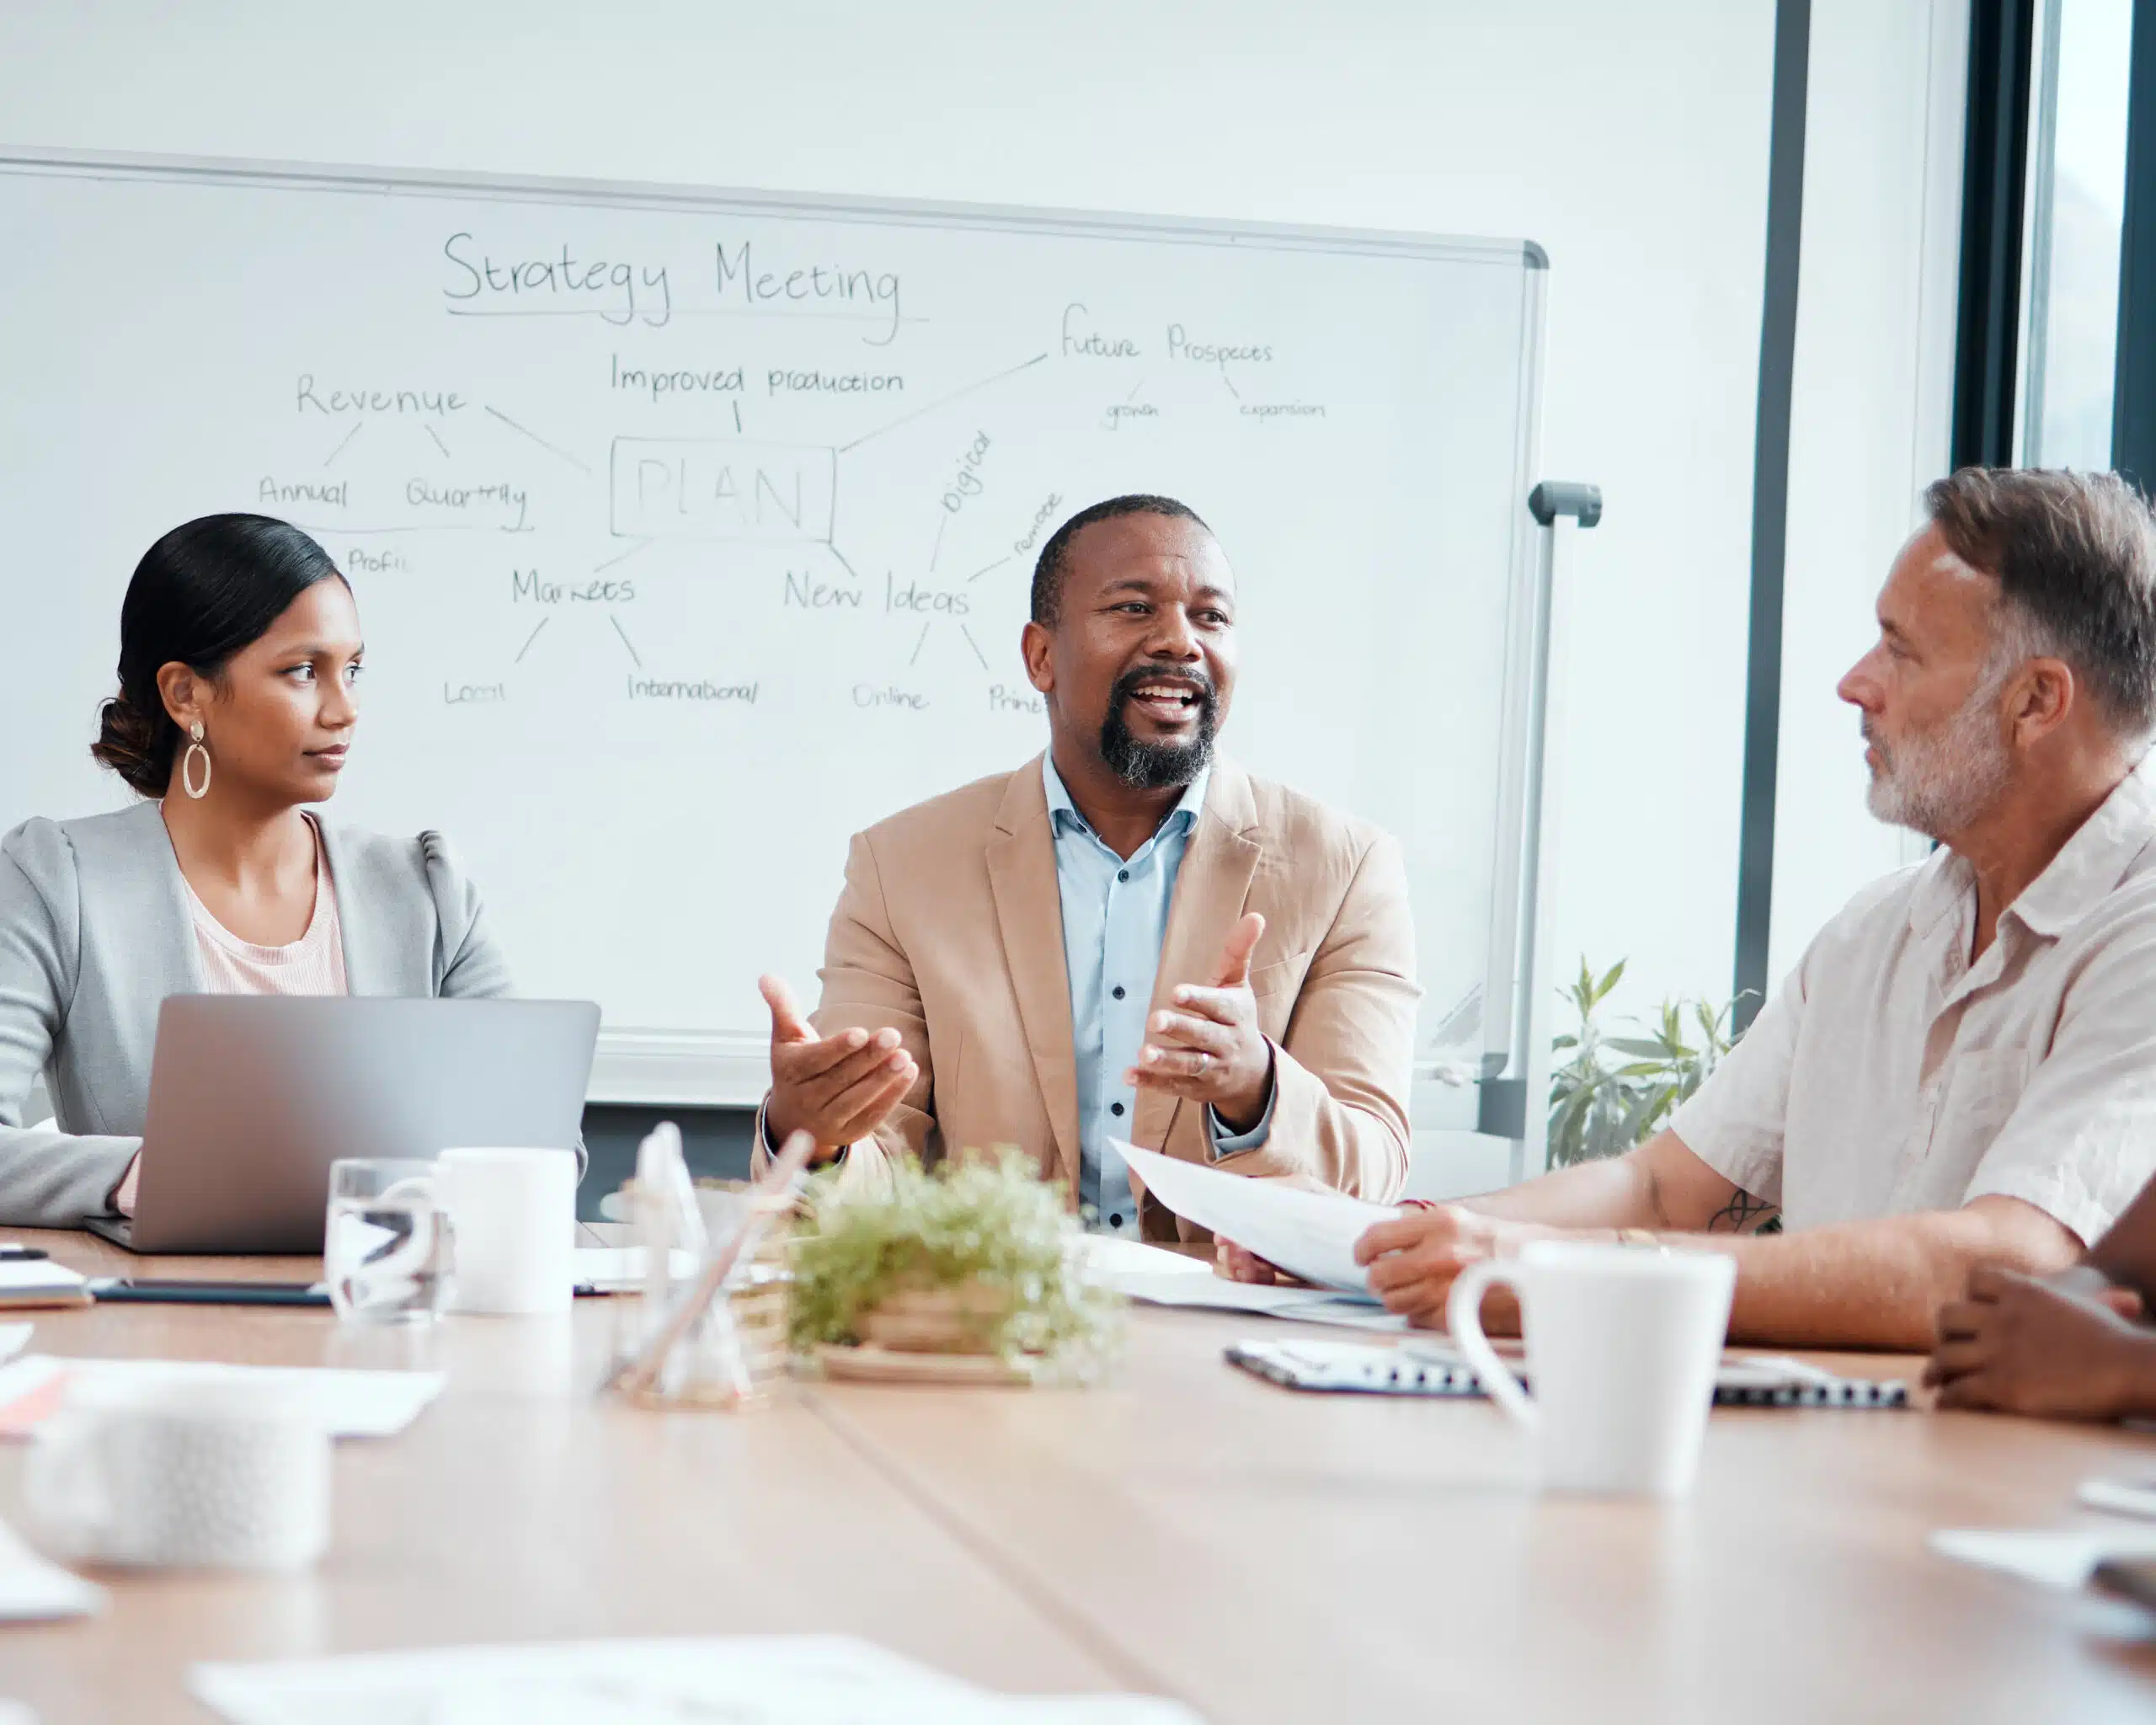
<point x="745" y="1680"/>
<point x="349" y="1404"/>
<point x="619" y="1269"/>
<point x="13" y="1338"/>
<point x="1307" y="1234"/>
<point x="1105" y="1256"/>
<point x="1308" y="1305"/>
<point x="34" y="1591"/>
<point x="2063" y="1558"/>
<point x="2119" y="1497"/>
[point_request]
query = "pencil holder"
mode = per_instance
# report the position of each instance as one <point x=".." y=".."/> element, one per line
<point x="735" y="1349"/>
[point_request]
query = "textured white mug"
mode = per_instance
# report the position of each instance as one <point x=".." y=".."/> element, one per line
<point x="197" y="1475"/>
<point x="512" y="1215"/>
<point x="1622" y="1346"/>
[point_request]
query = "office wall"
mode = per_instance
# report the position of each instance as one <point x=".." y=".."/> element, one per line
<point x="1630" y="140"/>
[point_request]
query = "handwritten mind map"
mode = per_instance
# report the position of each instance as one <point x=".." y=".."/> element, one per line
<point x="693" y="533"/>
<point x="655" y="468"/>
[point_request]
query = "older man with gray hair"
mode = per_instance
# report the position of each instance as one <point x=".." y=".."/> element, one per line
<point x="1961" y="1072"/>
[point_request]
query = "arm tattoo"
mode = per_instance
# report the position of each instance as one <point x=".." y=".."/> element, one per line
<point x="1746" y="1214"/>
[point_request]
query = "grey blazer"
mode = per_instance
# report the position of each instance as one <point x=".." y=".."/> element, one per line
<point x="95" y="932"/>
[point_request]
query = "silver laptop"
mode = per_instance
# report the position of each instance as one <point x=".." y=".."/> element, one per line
<point x="252" y="1098"/>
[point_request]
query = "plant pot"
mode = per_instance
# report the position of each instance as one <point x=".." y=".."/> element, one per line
<point x="958" y="1319"/>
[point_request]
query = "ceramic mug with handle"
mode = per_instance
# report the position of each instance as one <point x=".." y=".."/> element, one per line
<point x="513" y="1213"/>
<point x="1622" y="1345"/>
<point x="199" y="1474"/>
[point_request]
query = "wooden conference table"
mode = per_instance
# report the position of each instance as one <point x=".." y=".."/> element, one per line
<point x="1184" y="1529"/>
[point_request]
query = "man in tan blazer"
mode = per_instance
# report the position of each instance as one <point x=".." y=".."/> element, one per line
<point x="1129" y="937"/>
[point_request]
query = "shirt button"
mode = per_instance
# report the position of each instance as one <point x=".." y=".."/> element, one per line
<point x="1116" y="992"/>
<point x="1116" y="1220"/>
<point x="1116" y="1108"/>
<point x="1122" y="874"/>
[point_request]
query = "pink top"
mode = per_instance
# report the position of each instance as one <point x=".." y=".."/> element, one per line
<point x="312" y="965"/>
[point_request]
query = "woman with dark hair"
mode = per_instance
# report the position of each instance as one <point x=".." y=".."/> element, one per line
<point x="239" y="663"/>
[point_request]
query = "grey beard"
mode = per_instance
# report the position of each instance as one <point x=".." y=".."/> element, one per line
<point x="1155" y="767"/>
<point x="1938" y="782"/>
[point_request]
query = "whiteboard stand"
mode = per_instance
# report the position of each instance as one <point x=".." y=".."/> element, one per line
<point x="1515" y="1088"/>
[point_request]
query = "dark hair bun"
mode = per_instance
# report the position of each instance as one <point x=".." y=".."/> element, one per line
<point x="137" y="745"/>
<point x="199" y="594"/>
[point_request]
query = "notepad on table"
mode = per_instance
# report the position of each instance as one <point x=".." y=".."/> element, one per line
<point x="1433" y="1367"/>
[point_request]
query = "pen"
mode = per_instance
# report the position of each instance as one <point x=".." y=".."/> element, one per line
<point x="12" y="1253"/>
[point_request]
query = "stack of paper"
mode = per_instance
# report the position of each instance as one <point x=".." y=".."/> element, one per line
<point x="1311" y="1233"/>
<point x="745" y="1681"/>
<point x="619" y="1269"/>
<point x="1212" y="1293"/>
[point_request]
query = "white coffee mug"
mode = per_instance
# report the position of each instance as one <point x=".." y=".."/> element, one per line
<point x="197" y="1475"/>
<point x="512" y="1215"/>
<point x="1622" y="1345"/>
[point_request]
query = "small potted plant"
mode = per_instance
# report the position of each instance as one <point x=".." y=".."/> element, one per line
<point x="965" y="1273"/>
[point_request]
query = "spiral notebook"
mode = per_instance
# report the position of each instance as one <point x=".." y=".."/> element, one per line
<point x="1433" y="1368"/>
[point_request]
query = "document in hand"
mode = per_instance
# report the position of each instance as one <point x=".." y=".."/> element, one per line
<point x="1311" y="1235"/>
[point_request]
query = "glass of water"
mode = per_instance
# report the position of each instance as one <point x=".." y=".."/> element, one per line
<point x="386" y="1250"/>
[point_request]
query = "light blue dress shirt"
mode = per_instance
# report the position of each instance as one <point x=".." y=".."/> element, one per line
<point x="1115" y="916"/>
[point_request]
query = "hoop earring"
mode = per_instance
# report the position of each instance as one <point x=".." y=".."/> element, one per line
<point x="187" y="764"/>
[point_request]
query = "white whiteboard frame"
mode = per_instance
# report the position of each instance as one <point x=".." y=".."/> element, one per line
<point x="722" y="1069"/>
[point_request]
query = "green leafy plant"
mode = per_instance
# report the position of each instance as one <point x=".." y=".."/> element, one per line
<point x="985" y="1229"/>
<point x="1612" y="1093"/>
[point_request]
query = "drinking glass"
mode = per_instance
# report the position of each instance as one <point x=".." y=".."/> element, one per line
<point x="386" y="1249"/>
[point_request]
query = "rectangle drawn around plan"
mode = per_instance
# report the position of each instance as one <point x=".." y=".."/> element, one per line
<point x="681" y="488"/>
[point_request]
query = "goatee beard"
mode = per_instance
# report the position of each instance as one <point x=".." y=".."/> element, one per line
<point x="1156" y="767"/>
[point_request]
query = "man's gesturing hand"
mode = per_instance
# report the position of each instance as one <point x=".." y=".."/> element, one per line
<point x="836" y="1090"/>
<point x="1207" y="1046"/>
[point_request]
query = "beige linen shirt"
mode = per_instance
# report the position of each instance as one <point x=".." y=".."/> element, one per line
<point x="1890" y="1075"/>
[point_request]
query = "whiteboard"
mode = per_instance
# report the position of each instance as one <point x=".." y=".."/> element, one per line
<point x="692" y="532"/>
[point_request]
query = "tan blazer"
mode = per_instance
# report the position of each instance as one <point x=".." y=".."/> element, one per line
<point x="949" y="929"/>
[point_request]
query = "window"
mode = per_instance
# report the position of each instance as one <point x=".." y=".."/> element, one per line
<point x="2077" y="204"/>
